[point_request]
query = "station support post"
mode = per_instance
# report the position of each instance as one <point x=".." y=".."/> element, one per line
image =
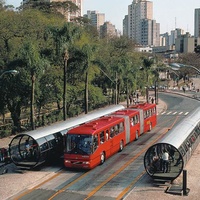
<point x="185" y="189"/>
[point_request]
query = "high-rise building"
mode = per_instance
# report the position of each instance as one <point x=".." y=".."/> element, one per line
<point x="107" y="30"/>
<point x="141" y="26"/>
<point x="125" y="25"/>
<point x="185" y="43"/>
<point x="97" y="19"/>
<point x="197" y="23"/>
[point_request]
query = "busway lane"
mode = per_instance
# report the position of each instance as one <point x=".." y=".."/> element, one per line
<point x="108" y="180"/>
<point x="54" y="183"/>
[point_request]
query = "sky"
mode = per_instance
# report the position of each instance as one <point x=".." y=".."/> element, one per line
<point x="170" y="14"/>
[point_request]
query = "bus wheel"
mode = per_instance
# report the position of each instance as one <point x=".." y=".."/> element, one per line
<point x="121" y="146"/>
<point x="102" y="158"/>
<point x="150" y="126"/>
<point x="136" y="135"/>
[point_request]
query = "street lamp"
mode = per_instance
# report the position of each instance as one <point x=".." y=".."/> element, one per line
<point x="65" y="58"/>
<point x="177" y="66"/>
<point x="12" y="71"/>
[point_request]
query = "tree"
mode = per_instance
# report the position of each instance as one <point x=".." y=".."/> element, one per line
<point x="58" y="7"/>
<point x="14" y="94"/>
<point x="113" y="53"/>
<point x="8" y="23"/>
<point x="35" y="64"/>
<point x="88" y="57"/>
<point x="64" y="38"/>
<point x="147" y="63"/>
<point x="50" y="87"/>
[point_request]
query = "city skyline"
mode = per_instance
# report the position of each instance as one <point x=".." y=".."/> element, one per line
<point x="170" y="14"/>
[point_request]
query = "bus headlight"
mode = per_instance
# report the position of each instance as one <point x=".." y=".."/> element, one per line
<point x="86" y="163"/>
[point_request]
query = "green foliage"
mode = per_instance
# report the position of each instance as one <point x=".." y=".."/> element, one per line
<point x="50" y="7"/>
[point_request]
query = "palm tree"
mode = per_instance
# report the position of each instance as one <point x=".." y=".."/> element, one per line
<point x="88" y="62"/>
<point x="63" y="37"/>
<point x="147" y="63"/>
<point x="35" y="65"/>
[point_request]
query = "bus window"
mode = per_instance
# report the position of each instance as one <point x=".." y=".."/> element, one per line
<point x="102" y="137"/>
<point x="95" y="142"/>
<point x="136" y="119"/>
<point x="79" y="144"/>
<point x="150" y="113"/>
<point x="132" y="121"/>
<point x="145" y="115"/>
<point x="112" y="132"/>
<point x="116" y="129"/>
<point x="107" y="135"/>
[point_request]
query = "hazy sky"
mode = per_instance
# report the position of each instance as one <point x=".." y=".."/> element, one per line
<point x="166" y="12"/>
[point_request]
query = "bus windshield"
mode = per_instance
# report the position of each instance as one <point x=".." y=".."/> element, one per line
<point x="79" y="144"/>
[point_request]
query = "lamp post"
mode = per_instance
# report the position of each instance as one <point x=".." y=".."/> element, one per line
<point x="12" y="71"/>
<point x="156" y="91"/>
<point x="65" y="58"/>
<point x="177" y="66"/>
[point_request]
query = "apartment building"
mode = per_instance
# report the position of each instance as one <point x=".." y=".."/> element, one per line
<point x="141" y="26"/>
<point x="108" y="30"/>
<point x="97" y="19"/>
<point x="197" y="23"/>
<point x="125" y="26"/>
<point x="185" y="43"/>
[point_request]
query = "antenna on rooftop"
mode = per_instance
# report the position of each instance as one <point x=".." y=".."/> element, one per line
<point x="175" y="23"/>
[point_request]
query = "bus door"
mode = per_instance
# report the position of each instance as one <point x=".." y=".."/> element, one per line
<point x="111" y="140"/>
<point x="141" y="121"/>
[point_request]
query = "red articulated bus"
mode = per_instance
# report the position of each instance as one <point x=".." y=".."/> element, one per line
<point x="90" y="144"/>
<point x="148" y="116"/>
<point x="132" y="123"/>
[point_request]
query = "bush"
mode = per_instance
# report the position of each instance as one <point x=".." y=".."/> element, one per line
<point x="5" y="133"/>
